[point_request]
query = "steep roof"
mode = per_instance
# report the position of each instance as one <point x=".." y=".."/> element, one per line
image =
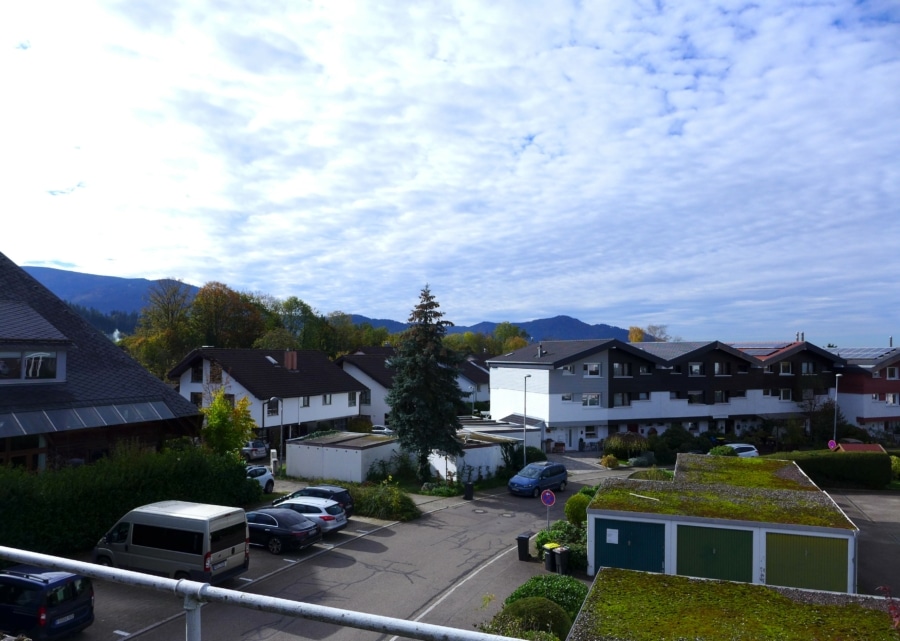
<point x="372" y="365"/>
<point x="678" y="350"/>
<point x="263" y="371"/>
<point x="552" y="354"/>
<point x="104" y="386"/>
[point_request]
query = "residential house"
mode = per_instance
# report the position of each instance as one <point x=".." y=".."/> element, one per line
<point x="581" y="391"/>
<point x="869" y="389"/>
<point x="291" y="393"/>
<point x="369" y="366"/>
<point x="68" y="394"/>
<point x="474" y="380"/>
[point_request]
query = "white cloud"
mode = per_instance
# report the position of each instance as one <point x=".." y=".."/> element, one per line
<point x="731" y="171"/>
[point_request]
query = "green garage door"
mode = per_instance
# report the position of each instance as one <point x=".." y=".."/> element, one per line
<point x="630" y="545"/>
<point x="715" y="553"/>
<point x="812" y="562"/>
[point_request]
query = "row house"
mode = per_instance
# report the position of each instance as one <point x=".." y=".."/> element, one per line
<point x="291" y="392"/>
<point x="582" y="391"/>
<point x="68" y="394"/>
<point x="869" y="388"/>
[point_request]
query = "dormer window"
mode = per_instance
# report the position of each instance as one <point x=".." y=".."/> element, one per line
<point x="31" y="366"/>
<point x="592" y="369"/>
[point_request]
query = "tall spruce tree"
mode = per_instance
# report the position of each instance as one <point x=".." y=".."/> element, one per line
<point x="425" y="396"/>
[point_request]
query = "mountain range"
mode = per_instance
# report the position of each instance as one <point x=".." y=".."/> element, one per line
<point x="109" y="294"/>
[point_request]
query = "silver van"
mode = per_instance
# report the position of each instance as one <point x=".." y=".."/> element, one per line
<point x="179" y="540"/>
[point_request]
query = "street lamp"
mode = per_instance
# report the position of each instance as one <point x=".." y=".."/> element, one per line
<point x="277" y="399"/>
<point x="524" y="420"/>
<point x="472" y="392"/>
<point x="837" y="379"/>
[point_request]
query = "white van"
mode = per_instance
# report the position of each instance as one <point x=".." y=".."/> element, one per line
<point x="179" y="540"/>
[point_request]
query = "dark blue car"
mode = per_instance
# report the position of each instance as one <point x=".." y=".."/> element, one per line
<point x="44" y="604"/>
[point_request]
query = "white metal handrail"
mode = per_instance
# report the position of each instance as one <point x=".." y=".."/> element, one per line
<point x="196" y="593"/>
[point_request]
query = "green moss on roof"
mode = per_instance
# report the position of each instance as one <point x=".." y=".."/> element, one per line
<point x="717" y="487"/>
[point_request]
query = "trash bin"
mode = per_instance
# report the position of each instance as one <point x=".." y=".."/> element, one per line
<point x="562" y="559"/>
<point x="524" y="542"/>
<point x="550" y="557"/>
<point x="468" y="491"/>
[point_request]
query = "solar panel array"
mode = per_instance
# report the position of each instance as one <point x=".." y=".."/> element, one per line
<point x="863" y="353"/>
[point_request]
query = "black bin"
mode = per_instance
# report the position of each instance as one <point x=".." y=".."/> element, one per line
<point x="523" y="541"/>
<point x="562" y="559"/>
<point x="549" y="559"/>
<point x="468" y="491"/>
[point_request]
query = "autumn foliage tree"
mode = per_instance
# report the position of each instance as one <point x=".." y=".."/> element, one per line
<point x="425" y="396"/>
<point x="227" y="427"/>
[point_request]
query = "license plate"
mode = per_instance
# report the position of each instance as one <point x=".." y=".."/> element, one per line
<point x="65" y="619"/>
<point x="220" y="565"/>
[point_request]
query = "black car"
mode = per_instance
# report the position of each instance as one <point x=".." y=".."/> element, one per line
<point x="278" y="529"/>
<point x="44" y="604"/>
<point x="333" y="492"/>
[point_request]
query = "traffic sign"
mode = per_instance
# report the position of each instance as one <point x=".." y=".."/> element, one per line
<point x="548" y="498"/>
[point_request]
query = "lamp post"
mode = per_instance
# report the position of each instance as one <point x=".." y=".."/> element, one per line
<point x="472" y="392"/>
<point x="524" y="420"/>
<point x="837" y="379"/>
<point x="277" y="399"/>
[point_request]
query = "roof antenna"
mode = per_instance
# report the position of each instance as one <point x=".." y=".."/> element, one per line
<point x="802" y="336"/>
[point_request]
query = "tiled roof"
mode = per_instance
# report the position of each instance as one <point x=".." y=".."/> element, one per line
<point x="372" y="365"/>
<point x="471" y="371"/>
<point x="98" y="373"/>
<point x="558" y="353"/>
<point x="860" y="447"/>
<point x="252" y="368"/>
<point x="674" y="351"/>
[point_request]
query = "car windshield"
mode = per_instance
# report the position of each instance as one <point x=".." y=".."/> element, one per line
<point x="530" y="472"/>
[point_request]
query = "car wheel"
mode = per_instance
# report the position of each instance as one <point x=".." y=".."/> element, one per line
<point x="181" y="575"/>
<point x="105" y="561"/>
<point x="562" y="486"/>
<point x="269" y="488"/>
<point x="275" y="546"/>
<point x="536" y="493"/>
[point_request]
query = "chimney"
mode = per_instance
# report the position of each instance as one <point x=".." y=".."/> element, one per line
<point x="890" y="341"/>
<point x="290" y="360"/>
<point x="802" y="336"/>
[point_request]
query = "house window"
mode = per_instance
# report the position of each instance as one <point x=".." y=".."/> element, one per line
<point x="621" y="399"/>
<point x="642" y="396"/>
<point x="807" y="368"/>
<point x="567" y="397"/>
<point x="696" y="369"/>
<point x="676" y="369"/>
<point x="590" y="400"/>
<point x="567" y="370"/>
<point x="31" y="366"/>
<point x="892" y="373"/>
<point x="229" y="398"/>
<point x="721" y="396"/>
<point x="621" y="369"/>
<point x="785" y="368"/>
<point x="695" y="398"/>
<point x="271" y="408"/>
<point x="215" y="372"/>
<point x="590" y="431"/>
<point x="743" y="368"/>
<point x="674" y="395"/>
<point x="592" y="369"/>
<point x="891" y="399"/>
<point x="197" y="398"/>
<point x="644" y="369"/>
<point x="785" y="394"/>
<point x="351" y="399"/>
<point x="197" y="373"/>
<point x="305" y="401"/>
<point x="739" y="393"/>
<point x="722" y="368"/>
<point x="365" y="397"/>
<point x="326" y="399"/>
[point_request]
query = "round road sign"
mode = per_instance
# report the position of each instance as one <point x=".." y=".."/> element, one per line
<point x="548" y="498"/>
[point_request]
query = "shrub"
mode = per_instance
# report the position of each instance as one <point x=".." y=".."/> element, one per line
<point x="609" y="461"/>
<point x="539" y="614"/>
<point x="576" y="509"/>
<point x="895" y="467"/>
<point x="589" y="491"/>
<point x="653" y="474"/>
<point x="565" y="591"/>
<point x="843" y="469"/>
<point x="385" y="501"/>
<point x="570" y="535"/>
<point x="723" y="450"/>
<point x="507" y="626"/>
<point x="624" y="445"/>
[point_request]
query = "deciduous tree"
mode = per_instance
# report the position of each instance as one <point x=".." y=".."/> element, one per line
<point x="226" y="428"/>
<point x="425" y="396"/>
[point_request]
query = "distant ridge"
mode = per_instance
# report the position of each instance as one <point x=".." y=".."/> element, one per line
<point x="108" y="294"/>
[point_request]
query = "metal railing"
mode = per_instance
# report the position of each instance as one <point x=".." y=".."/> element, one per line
<point x="195" y="594"/>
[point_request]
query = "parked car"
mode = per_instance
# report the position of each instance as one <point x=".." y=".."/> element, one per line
<point x="255" y="449"/>
<point x="534" y="478"/>
<point x="333" y="492"/>
<point x="743" y="449"/>
<point x="44" y="604"/>
<point x="264" y="475"/>
<point x="327" y="513"/>
<point x="278" y="529"/>
<point x="382" y="429"/>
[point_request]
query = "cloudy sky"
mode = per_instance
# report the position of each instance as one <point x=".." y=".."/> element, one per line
<point x="731" y="170"/>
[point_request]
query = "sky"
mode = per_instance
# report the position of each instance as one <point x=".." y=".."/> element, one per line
<point x="730" y="170"/>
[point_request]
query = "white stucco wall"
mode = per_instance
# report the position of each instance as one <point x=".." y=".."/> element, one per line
<point x="340" y="463"/>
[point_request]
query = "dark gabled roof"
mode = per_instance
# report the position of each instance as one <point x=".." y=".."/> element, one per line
<point x="473" y="372"/>
<point x="870" y="358"/>
<point x="775" y="352"/>
<point x="680" y="351"/>
<point x="372" y="365"/>
<point x="380" y="350"/>
<point x="103" y="386"/>
<point x="256" y="371"/>
<point x="553" y="354"/>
